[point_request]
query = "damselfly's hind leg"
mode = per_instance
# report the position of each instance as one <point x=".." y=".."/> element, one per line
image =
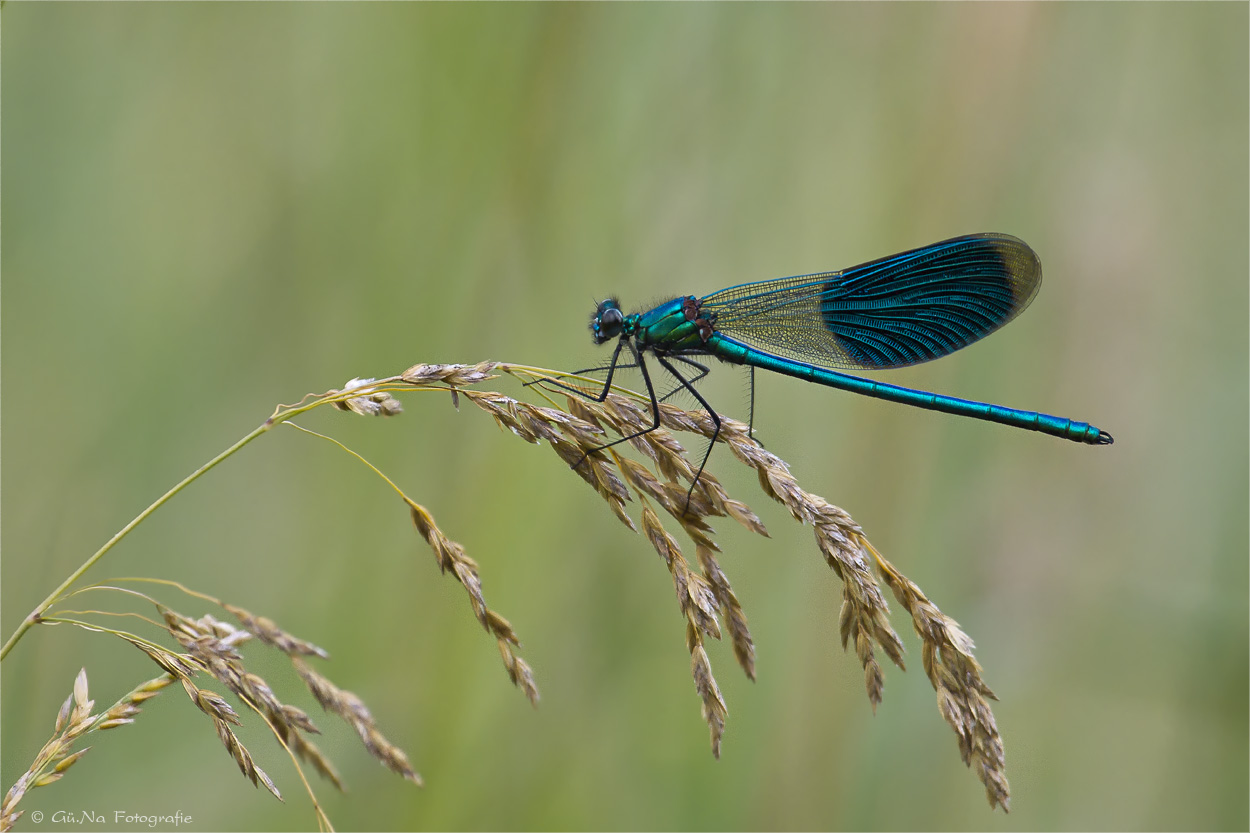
<point x="751" y="411"/>
<point x="702" y="369"/>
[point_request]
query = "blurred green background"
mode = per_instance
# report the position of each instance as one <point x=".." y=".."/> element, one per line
<point x="209" y="209"/>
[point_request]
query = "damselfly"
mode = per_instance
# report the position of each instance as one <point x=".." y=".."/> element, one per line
<point x="897" y="311"/>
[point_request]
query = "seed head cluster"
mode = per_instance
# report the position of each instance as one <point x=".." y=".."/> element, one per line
<point x="666" y="488"/>
<point x="663" y="480"/>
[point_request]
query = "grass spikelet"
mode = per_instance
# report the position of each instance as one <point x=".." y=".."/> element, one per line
<point x="963" y="696"/>
<point x="308" y="751"/>
<point x="171" y="663"/>
<point x="698" y="602"/>
<point x="731" y="610"/>
<point x="721" y="504"/>
<point x="269" y="633"/>
<point x="353" y="710"/>
<point x="453" y="375"/>
<point x="211" y="703"/>
<point x="369" y="401"/>
<point x="582" y="409"/>
<point x="124" y="711"/>
<point x="451" y="556"/>
<point x="222" y="716"/>
<point x="714" y="709"/>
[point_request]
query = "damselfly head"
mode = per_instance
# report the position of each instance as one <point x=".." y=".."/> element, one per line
<point x="607" y="321"/>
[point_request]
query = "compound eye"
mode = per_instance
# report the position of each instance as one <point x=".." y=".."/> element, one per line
<point x="611" y="319"/>
<point x="607" y="321"/>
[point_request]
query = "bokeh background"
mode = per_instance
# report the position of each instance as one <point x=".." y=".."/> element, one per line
<point x="209" y="209"/>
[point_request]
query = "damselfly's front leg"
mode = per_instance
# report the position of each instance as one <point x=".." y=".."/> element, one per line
<point x="607" y="386"/>
<point x="610" y="367"/>
<point x="686" y="383"/>
<point x="603" y="368"/>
